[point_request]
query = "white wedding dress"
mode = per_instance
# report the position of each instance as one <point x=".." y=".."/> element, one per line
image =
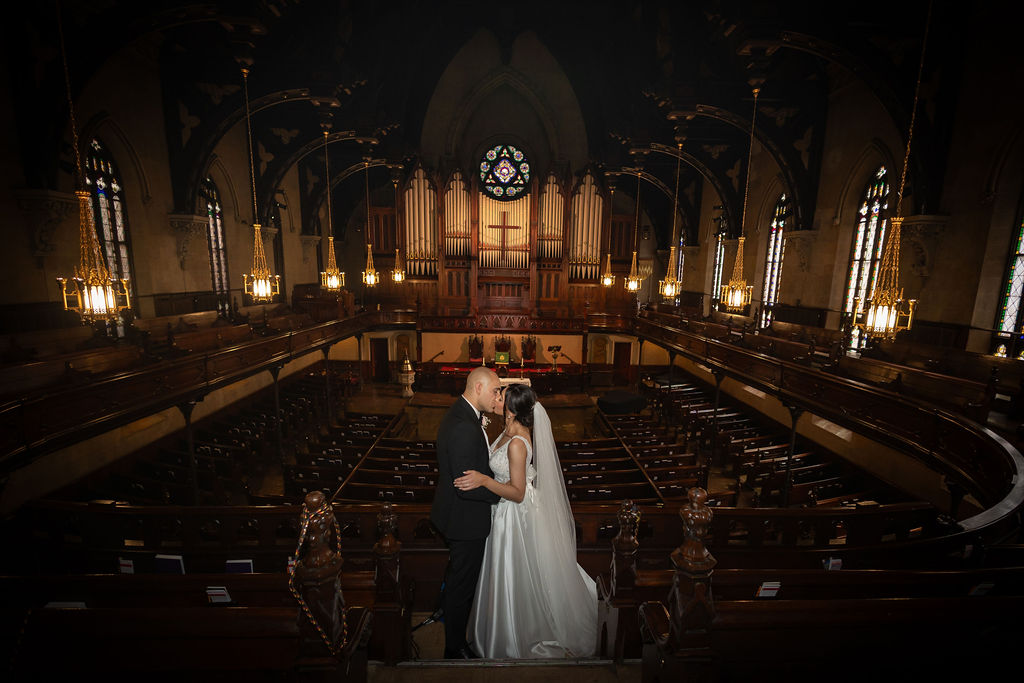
<point x="533" y="600"/>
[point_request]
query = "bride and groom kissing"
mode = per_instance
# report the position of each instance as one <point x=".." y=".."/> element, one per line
<point x="512" y="583"/>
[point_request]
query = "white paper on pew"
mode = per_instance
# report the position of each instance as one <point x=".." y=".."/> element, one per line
<point x="833" y="564"/>
<point x="768" y="589"/>
<point x="981" y="589"/>
<point x="126" y="566"/>
<point x="217" y="594"/>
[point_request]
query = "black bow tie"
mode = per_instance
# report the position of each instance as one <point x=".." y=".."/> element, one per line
<point x="481" y="419"/>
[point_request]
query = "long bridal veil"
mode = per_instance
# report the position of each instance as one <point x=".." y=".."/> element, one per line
<point x="570" y="593"/>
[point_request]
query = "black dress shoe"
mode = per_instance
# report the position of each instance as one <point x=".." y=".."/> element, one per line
<point x="461" y="653"/>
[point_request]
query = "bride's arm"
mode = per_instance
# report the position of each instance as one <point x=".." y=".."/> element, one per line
<point x="514" y="490"/>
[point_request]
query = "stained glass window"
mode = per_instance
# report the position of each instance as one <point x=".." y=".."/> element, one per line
<point x="505" y="172"/>
<point x="773" y="263"/>
<point x="716" y="280"/>
<point x="107" y="199"/>
<point x="215" y="237"/>
<point x="1008" y="317"/>
<point x="866" y="254"/>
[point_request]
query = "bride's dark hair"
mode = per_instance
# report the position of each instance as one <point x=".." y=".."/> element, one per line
<point x="519" y="399"/>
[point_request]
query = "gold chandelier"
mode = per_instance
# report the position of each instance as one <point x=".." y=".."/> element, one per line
<point x="260" y="284"/>
<point x="607" y="276"/>
<point x="370" y="276"/>
<point x="331" y="280"/>
<point x="633" y="280"/>
<point x="670" y="286"/>
<point x="737" y="294"/>
<point x="887" y="313"/>
<point x="398" y="272"/>
<point x="92" y="293"/>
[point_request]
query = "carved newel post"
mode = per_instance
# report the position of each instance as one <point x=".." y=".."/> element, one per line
<point x="316" y="583"/>
<point x="624" y="548"/>
<point x="385" y="554"/>
<point x="392" y="625"/>
<point x="691" y="606"/>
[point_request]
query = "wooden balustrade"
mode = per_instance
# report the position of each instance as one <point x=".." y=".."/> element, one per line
<point x="983" y="463"/>
<point x="43" y="421"/>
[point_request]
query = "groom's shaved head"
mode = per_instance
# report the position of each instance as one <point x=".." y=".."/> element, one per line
<point x="482" y="388"/>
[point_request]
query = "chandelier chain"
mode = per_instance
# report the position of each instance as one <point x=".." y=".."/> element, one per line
<point x="327" y="171"/>
<point x="750" y="155"/>
<point x="92" y="264"/>
<point x="913" y="112"/>
<point x="248" y="130"/>
<point x="636" y="228"/>
<point x="71" y="104"/>
<point x="675" y="198"/>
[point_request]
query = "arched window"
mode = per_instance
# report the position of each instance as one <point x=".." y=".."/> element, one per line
<point x="218" y="249"/>
<point x="716" y="280"/>
<point x="866" y="253"/>
<point x="773" y="262"/>
<point x="1008" y="319"/>
<point x="107" y="198"/>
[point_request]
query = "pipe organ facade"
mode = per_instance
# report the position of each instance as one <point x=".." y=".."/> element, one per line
<point x="457" y="218"/>
<point x="552" y="220"/>
<point x="420" y="225"/>
<point x="585" y="230"/>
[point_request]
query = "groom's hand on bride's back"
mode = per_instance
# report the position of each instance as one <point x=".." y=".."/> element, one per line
<point x="470" y="479"/>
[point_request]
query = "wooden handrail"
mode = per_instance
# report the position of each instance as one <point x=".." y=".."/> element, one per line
<point x="55" y="417"/>
<point x="984" y="463"/>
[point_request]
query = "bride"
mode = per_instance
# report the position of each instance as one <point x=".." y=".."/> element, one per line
<point x="532" y="600"/>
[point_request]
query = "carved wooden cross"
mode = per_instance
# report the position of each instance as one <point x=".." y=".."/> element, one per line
<point x="504" y="227"/>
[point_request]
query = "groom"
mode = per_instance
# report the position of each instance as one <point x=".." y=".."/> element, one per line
<point x="463" y="517"/>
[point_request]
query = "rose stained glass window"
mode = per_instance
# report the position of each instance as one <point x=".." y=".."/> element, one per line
<point x="505" y="172"/>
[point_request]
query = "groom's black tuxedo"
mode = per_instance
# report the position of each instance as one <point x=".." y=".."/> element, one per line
<point x="461" y="445"/>
<point x="463" y="517"/>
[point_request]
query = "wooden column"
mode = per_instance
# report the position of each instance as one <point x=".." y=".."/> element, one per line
<point x="794" y="414"/>
<point x="275" y="371"/>
<point x="186" y="412"/>
<point x="392" y="631"/>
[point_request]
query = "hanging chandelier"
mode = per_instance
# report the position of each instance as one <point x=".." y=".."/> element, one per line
<point x="370" y="276"/>
<point x="633" y="280"/>
<point x="398" y="272"/>
<point x="737" y="294"/>
<point x="670" y="286"/>
<point x="260" y="284"/>
<point x="887" y="313"/>
<point x="91" y="293"/>
<point x="607" y="276"/>
<point x="331" y="280"/>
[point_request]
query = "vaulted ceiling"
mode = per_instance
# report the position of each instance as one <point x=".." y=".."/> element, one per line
<point x="647" y="75"/>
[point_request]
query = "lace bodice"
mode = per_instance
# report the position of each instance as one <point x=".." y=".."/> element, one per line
<point x="499" y="461"/>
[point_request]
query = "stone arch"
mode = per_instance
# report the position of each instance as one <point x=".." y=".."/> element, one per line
<point x="104" y="126"/>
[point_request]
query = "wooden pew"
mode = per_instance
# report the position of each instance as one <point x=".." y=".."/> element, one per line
<point x="971" y="398"/>
<point x="629" y="588"/>
<point x="210" y="338"/>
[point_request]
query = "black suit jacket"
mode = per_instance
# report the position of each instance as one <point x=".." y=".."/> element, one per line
<point x="461" y="445"/>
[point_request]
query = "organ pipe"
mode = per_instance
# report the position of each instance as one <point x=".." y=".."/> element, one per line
<point x="585" y="238"/>
<point x="420" y="210"/>
<point x="456" y="212"/>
